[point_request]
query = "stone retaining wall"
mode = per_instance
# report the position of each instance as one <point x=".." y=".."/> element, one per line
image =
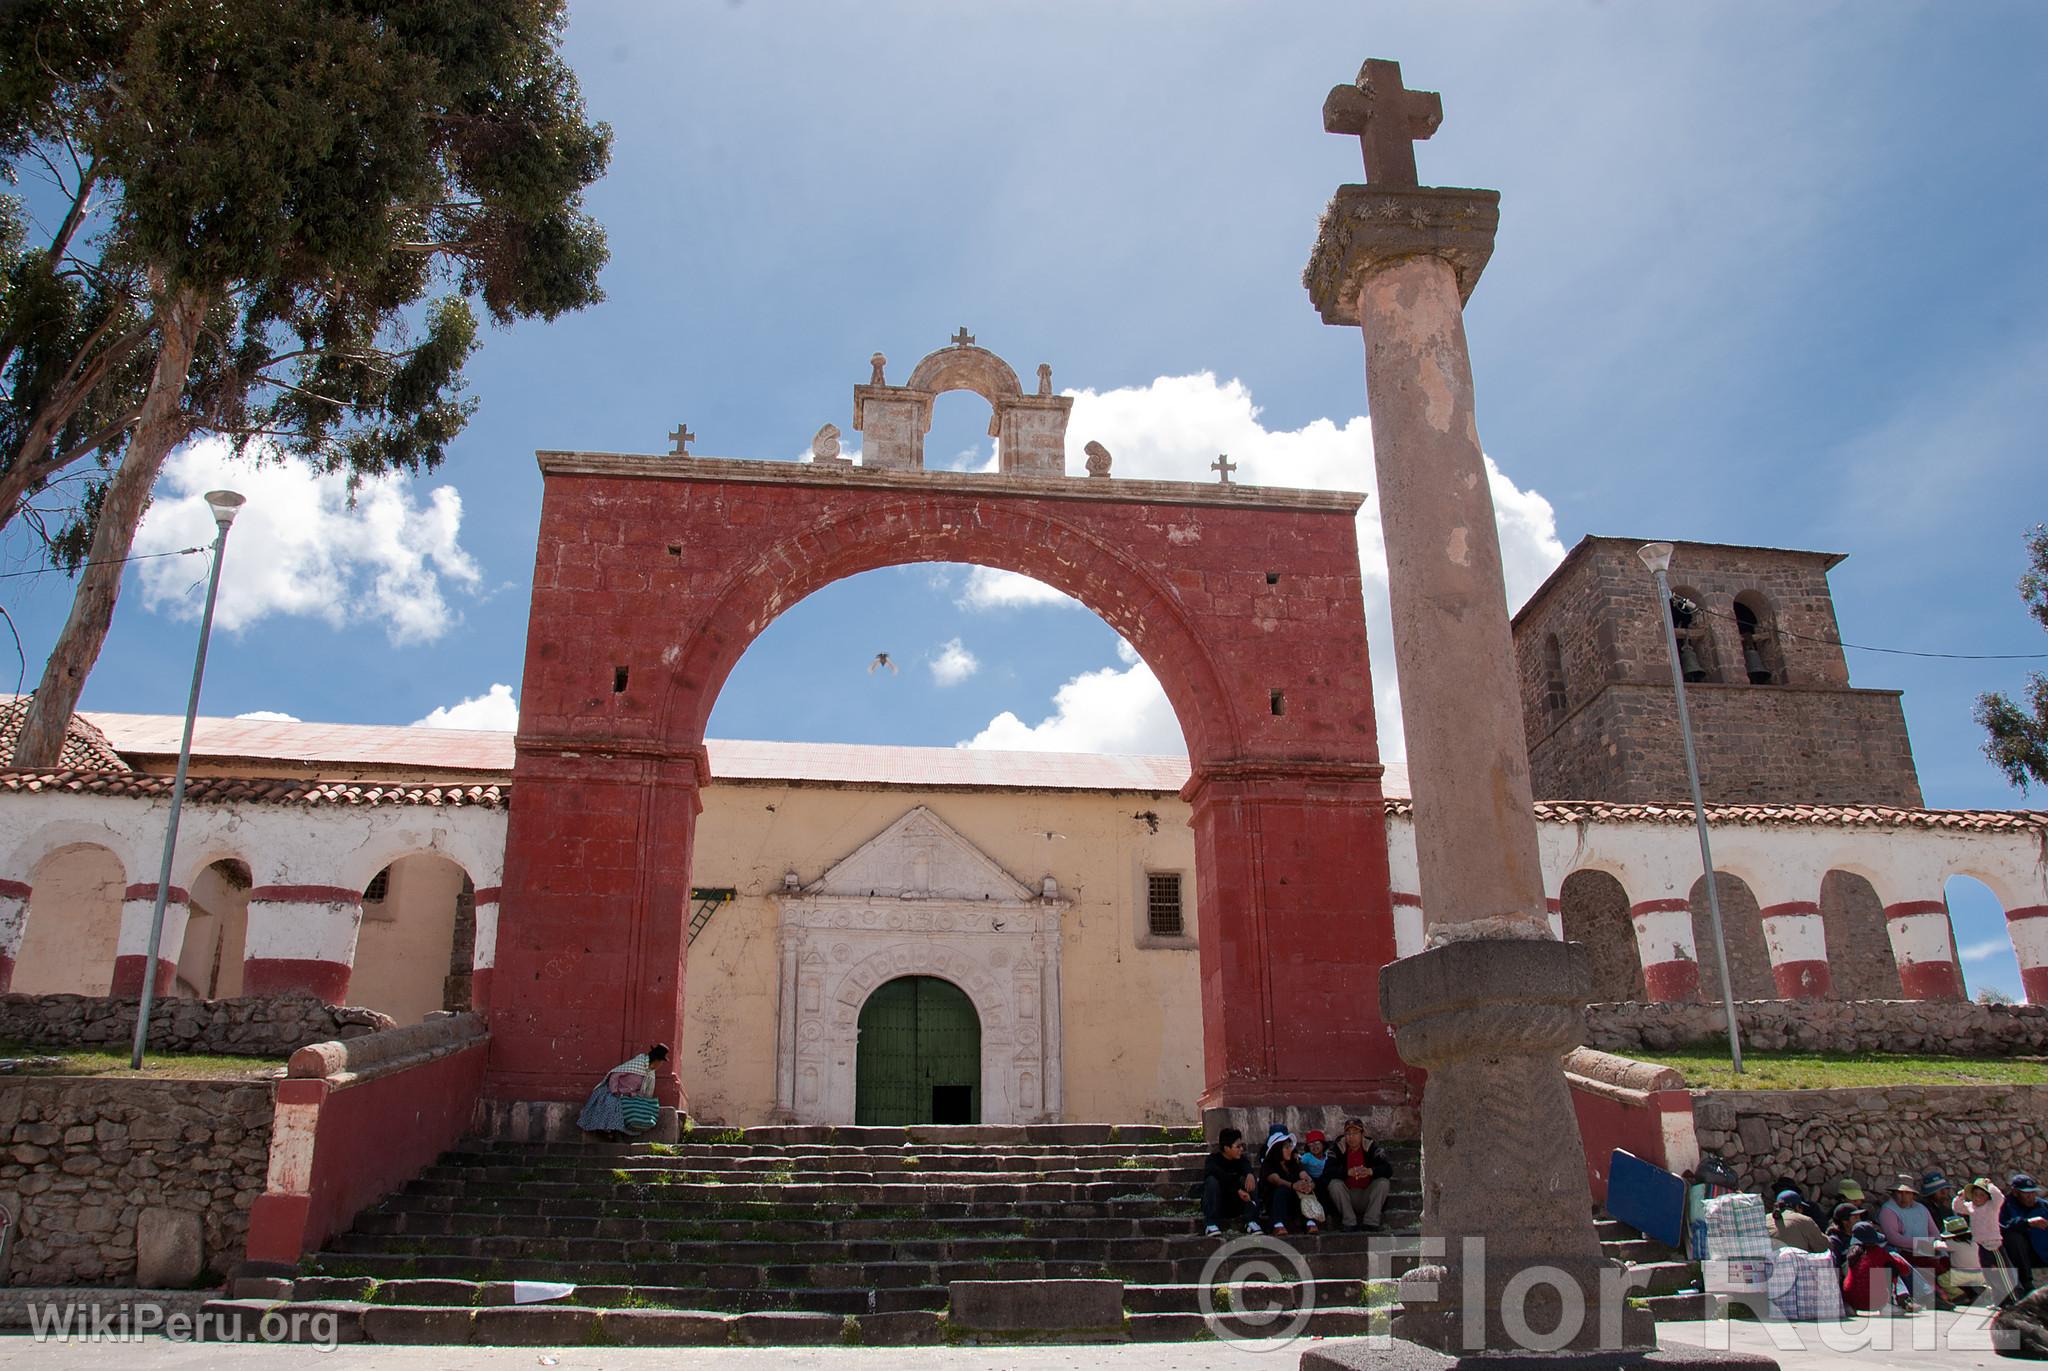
<point x="252" y="1026"/>
<point x="1927" y="1026"/>
<point x="96" y="1170"/>
<point x="1874" y="1133"/>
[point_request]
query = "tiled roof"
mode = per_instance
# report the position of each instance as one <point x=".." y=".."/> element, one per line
<point x="251" y="789"/>
<point x="1781" y="816"/>
<point x="85" y="747"/>
<point x="256" y="740"/>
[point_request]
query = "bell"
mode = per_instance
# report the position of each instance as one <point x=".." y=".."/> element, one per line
<point x="1689" y="663"/>
<point x="1753" y="663"/>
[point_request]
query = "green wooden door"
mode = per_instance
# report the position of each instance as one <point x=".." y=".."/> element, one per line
<point x="919" y="1058"/>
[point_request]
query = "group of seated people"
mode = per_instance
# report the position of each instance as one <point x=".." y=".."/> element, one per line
<point x="1302" y="1183"/>
<point x="1928" y="1244"/>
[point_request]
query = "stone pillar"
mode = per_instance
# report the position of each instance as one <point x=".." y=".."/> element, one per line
<point x="2028" y="925"/>
<point x="131" y="948"/>
<point x="1671" y="962"/>
<point x="484" y="957"/>
<point x="1924" y="946"/>
<point x="1283" y="851"/>
<point x="1799" y="949"/>
<point x="14" y="897"/>
<point x="1493" y="1000"/>
<point x="302" y="938"/>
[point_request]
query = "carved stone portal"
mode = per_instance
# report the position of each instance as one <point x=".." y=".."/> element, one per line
<point x="1032" y="429"/>
<point x="918" y="899"/>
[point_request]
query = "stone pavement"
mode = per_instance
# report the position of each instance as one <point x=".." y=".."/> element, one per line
<point x="1921" y="1343"/>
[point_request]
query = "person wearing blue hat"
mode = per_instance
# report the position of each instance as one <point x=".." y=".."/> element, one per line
<point x="2023" y="1222"/>
<point x="1792" y="1226"/>
<point x="1938" y="1193"/>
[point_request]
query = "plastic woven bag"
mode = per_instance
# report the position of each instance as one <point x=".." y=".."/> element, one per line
<point x="1736" y="1227"/>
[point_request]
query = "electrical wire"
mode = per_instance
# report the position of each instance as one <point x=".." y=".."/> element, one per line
<point x="1699" y="608"/>
<point x="110" y="561"/>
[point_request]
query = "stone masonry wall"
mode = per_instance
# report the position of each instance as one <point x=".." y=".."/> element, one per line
<point x="253" y="1026"/>
<point x="88" y="1162"/>
<point x="1944" y="1027"/>
<point x="1815" y="1136"/>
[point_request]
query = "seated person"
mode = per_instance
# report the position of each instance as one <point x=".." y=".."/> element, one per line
<point x="2023" y="1222"/>
<point x="1791" y="1226"/>
<point x="1963" y="1282"/>
<point x="1938" y="1193"/>
<point x="1841" y="1229"/>
<point x="1910" y="1230"/>
<point x="1871" y="1270"/>
<point x="1360" y="1177"/>
<point x="1228" y="1191"/>
<point x="1279" y="1176"/>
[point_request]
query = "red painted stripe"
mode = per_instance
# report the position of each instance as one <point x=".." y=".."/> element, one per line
<point x="2034" y="980"/>
<point x="1660" y="907"/>
<point x="147" y="891"/>
<point x="1807" y="980"/>
<point x="1935" y="981"/>
<point x="1772" y="911"/>
<point x="6" y="971"/>
<point x="490" y="894"/>
<point x="2027" y="911"/>
<point x="480" y="990"/>
<point x="1672" y="982"/>
<point x="307" y="894"/>
<point x="1554" y="905"/>
<point x="1406" y="900"/>
<point x="128" y="975"/>
<point x="274" y="975"/>
<point x="1906" y="909"/>
<point x="19" y="890"/>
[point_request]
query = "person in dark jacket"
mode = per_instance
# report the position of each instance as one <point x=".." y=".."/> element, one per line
<point x="1359" y="1177"/>
<point x="1228" y="1190"/>
<point x="1280" y="1180"/>
<point x="1871" y="1270"/>
<point x="2023" y="1223"/>
<point x="1938" y="1193"/>
<point x="1841" y="1232"/>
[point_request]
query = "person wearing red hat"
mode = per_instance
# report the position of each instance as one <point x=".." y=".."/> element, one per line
<point x="1360" y="1177"/>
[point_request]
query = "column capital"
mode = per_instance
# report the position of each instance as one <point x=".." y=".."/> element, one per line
<point x="1365" y="228"/>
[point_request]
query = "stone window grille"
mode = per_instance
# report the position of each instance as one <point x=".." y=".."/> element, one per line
<point x="1163" y="917"/>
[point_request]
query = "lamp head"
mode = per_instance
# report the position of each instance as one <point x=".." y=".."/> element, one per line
<point x="1656" y="556"/>
<point x="224" y="504"/>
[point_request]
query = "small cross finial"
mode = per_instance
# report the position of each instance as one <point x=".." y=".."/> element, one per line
<point x="1223" y="466"/>
<point x="1387" y="117"/>
<point x="963" y="338"/>
<point x="682" y="438"/>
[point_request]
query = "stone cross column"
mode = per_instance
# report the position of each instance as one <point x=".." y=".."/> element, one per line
<point x="1493" y="999"/>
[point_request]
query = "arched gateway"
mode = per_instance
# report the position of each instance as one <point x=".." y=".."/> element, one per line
<point x="655" y="573"/>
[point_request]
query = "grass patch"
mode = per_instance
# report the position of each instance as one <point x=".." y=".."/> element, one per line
<point x="662" y="1149"/>
<point x="113" y="1061"/>
<point x="1828" y="1070"/>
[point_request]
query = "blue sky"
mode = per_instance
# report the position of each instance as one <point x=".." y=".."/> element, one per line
<point x="1766" y="274"/>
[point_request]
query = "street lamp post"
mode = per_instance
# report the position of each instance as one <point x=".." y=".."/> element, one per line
<point x="1657" y="557"/>
<point x="224" y="504"/>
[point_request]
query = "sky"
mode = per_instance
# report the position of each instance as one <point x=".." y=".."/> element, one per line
<point x="1766" y="274"/>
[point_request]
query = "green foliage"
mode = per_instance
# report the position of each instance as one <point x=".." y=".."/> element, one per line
<point x="2016" y="732"/>
<point x="1704" y="1069"/>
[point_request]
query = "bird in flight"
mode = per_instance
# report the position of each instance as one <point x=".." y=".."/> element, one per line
<point x="882" y="660"/>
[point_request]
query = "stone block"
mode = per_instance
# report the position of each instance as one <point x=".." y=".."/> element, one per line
<point x="1044" y="1306"/>
<point x="535" y="1325"/>
<point x="170" y="1248"/>
<point x="779" y="1328"/>
<point x="419" y="1323"/>
<point x="665" y="1328"/>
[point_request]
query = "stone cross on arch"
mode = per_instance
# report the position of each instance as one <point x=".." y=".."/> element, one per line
<point x="1388" y="118"/>
<point x="682" y="438"/>
<point x="962" y="339"/>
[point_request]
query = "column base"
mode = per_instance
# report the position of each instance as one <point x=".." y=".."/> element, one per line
<point x="1401" y="1354"/>
<point x="1401" y="1120"/>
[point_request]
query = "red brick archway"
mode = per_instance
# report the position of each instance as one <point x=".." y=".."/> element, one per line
<point x="653" y="577"/>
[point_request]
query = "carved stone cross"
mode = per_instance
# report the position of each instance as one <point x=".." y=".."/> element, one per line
<point x="682" y="438"/>
<point x="1388" y="119"/>
<point x="1223" y="466"/>
<point x="962" y="339"/>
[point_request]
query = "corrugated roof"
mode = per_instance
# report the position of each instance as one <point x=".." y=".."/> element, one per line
<point x="411" y="747"/>
<point x="147" y="785"/>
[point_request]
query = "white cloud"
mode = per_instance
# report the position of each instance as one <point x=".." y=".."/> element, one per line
<point x="494" y="711"/>
<point x="270" y="716"/>
<point x="1111" y="710"/>
<point x="953" y="663"/>
<point x="989" y="588"/>
<point x="1989" y="948"/>
<point x="299" y="548"/>
<point x="1172" y="430"/>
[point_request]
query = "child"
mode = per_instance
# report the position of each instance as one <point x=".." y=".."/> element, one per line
<point x="1963" y="1283"/>
<point x="1980" y="1203"/>
<point x="1870" y="1268"/>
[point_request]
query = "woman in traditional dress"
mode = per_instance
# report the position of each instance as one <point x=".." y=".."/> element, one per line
<point x="624" y="1103"/>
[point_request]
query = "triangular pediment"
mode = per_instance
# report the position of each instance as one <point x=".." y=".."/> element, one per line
<point x="921" y="856"/>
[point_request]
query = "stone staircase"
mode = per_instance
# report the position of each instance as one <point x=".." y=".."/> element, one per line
<point x="793" y="1235"/>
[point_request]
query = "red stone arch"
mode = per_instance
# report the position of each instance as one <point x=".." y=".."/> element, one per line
<point x="654" y="575"/>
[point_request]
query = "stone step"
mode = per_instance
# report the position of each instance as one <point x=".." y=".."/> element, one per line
<point x="473" y="1293"/>
<point x="803" y="1194"/>
<point x="597" y="1153"/>
<point x="1661" y="1278"/>
<point x="565" y="1325"/>
<point x="1334" y="1263"/>
<point x="761" y="1212"/>
<point x="1676" y="1307"/>
<point x="1186" y="1298"/>
<point x="666" y="1173"/>
<point x="1322" y="1322"/>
